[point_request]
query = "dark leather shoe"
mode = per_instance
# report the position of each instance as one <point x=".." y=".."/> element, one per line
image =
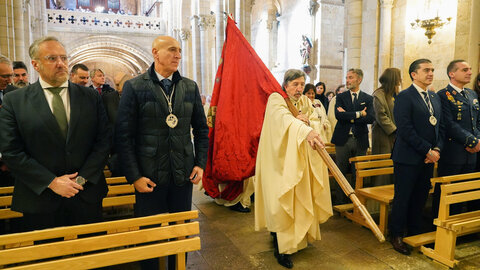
<point x="239" y="208"/>
<point x="399" y="245"/>
<point x="284" y="260"/>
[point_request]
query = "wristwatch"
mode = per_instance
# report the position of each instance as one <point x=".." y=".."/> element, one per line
<point x="80" y="180"/>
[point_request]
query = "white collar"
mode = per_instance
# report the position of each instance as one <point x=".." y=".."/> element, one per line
<point x="46" y="85"/>
<point x="455" y="87"/>
<point x="160" y="77"/>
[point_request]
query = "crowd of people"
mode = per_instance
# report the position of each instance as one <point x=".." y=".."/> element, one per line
<point x="57" y="134"/>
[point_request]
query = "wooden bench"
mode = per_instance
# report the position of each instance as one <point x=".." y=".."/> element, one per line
<point x="451" y="226"/>
<point x="120" y="193"/>
<point x="419" y="240"/>
<point x="102" y="244"/>
<point x="368" y="166"/>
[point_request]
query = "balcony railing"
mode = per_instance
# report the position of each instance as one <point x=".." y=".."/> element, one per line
<point x="103" y="22"/>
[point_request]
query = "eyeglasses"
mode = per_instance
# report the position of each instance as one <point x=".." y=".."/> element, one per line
<point x="54" y="58"/>
<point x="6" y="76"/>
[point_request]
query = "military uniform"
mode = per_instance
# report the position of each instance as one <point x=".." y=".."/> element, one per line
<point x="461" y="112"/>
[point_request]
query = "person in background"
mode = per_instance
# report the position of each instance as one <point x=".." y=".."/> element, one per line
<point x="331" y="106"/>
<point x="330" y="96"/>
<point x="320" y="90"/>
<point x="325" y="128"/>
<point x="354" y="111"/>
<point x="79" y="74"/>
<point x="476" y="88"/>
<point x="20" y="74"/>
<point x="384" y="128"/>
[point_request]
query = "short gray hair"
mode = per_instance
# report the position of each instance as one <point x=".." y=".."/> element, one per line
<point x="357" y="71"/>
<point x="93" y="71"/>
<point x="5" y="60"/>
<point x="291" y="75"/>
<point x="33" y="50"/>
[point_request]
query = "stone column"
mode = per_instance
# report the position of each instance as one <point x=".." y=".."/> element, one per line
<point x="206" y="24"/>
<point x="353" y="26"/>
<point x="239" y="14"/>
<point x="385" y="35"/>
<point x="185" y="37"/>
<point x="248" y="19"/>
<point x="196" y="72"/>
<point x="220" y="29"/>
<point x="272" y="32"/>
<point x="18" y="29"/>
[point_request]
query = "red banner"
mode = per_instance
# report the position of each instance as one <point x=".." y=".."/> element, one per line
<point x="242" y="86"/>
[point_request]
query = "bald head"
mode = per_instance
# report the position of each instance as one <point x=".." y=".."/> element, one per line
<point x="166" y="54"/>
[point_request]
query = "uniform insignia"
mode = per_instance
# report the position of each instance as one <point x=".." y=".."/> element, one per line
<point x="475" y="101"/>
<point x="449" y="97"/>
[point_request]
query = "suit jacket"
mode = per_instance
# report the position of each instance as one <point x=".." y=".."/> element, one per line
<point x="415" y="134"/>
<point x="384" y="128"/>
<point x="9" y="88"/>
<point x="111" y="100"/>
<point x="36" y="152"/>
<point x="462" y="122"/>
<point x="347" y="120"/>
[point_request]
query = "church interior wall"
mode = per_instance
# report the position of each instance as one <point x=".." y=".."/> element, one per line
<point x="331" y="44"/>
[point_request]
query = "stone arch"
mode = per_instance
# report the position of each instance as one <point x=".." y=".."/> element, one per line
<point x="112" y="54"/>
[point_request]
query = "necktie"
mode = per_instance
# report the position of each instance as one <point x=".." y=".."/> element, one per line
<point x="1" y="97"/>
<point x="464" y="94"/>
<point x="59" y="110"/>
<point x="355" y="100"/>
<point x="427" y="100"/>
<point x="99" y="89"/>
<point x="167" y="84"/>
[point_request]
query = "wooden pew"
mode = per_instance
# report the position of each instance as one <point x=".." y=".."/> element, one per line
<point x="419" y="240"/>
<point x="368" y="166"/>
<point x="102" y="244"/>
<point x="451" y="226"/>
<point x="120" y="193"/>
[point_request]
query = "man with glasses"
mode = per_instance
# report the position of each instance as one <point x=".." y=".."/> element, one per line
<point x="55" y="138"/>
<point x="6" y="74"/>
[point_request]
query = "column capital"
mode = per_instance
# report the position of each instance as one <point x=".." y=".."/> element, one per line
<point x="313" y="7"/>
<point x="206" y="21"/>
<point x="185" y="33"/>
<point x="271" y="18"/>
<point x="386" y="3"/>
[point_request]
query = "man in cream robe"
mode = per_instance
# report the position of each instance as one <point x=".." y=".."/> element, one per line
<point x="291" y="179"/>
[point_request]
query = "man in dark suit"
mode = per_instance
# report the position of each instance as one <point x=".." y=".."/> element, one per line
<point x="353" y="110"/>
<point x="461" y="114"/>
<point x="55" y="138"/>
<point x="417" y="114"/>
<point x="152" y="135"/>
<point x="20" y="74"/>
<point x="79" y="74"/>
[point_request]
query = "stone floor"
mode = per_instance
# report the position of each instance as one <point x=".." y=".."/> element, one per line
<point x="229" y="241"/>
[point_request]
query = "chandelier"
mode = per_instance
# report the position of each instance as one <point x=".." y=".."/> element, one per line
<point x="430" y="25"/>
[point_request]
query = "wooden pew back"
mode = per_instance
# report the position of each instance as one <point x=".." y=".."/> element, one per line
<point x="102" y="244"/>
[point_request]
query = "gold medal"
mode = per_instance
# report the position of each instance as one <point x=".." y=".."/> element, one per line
<point x="171" y="120"/>
<point x="433" y="120"/>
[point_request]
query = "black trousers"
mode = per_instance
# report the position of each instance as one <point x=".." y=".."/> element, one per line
<point x="163" y="199"/>
<point x="72" y="211"/>
<point x="412" y="183"/>
<point x="445" y="169"/>
<point x="342" y="154"/>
